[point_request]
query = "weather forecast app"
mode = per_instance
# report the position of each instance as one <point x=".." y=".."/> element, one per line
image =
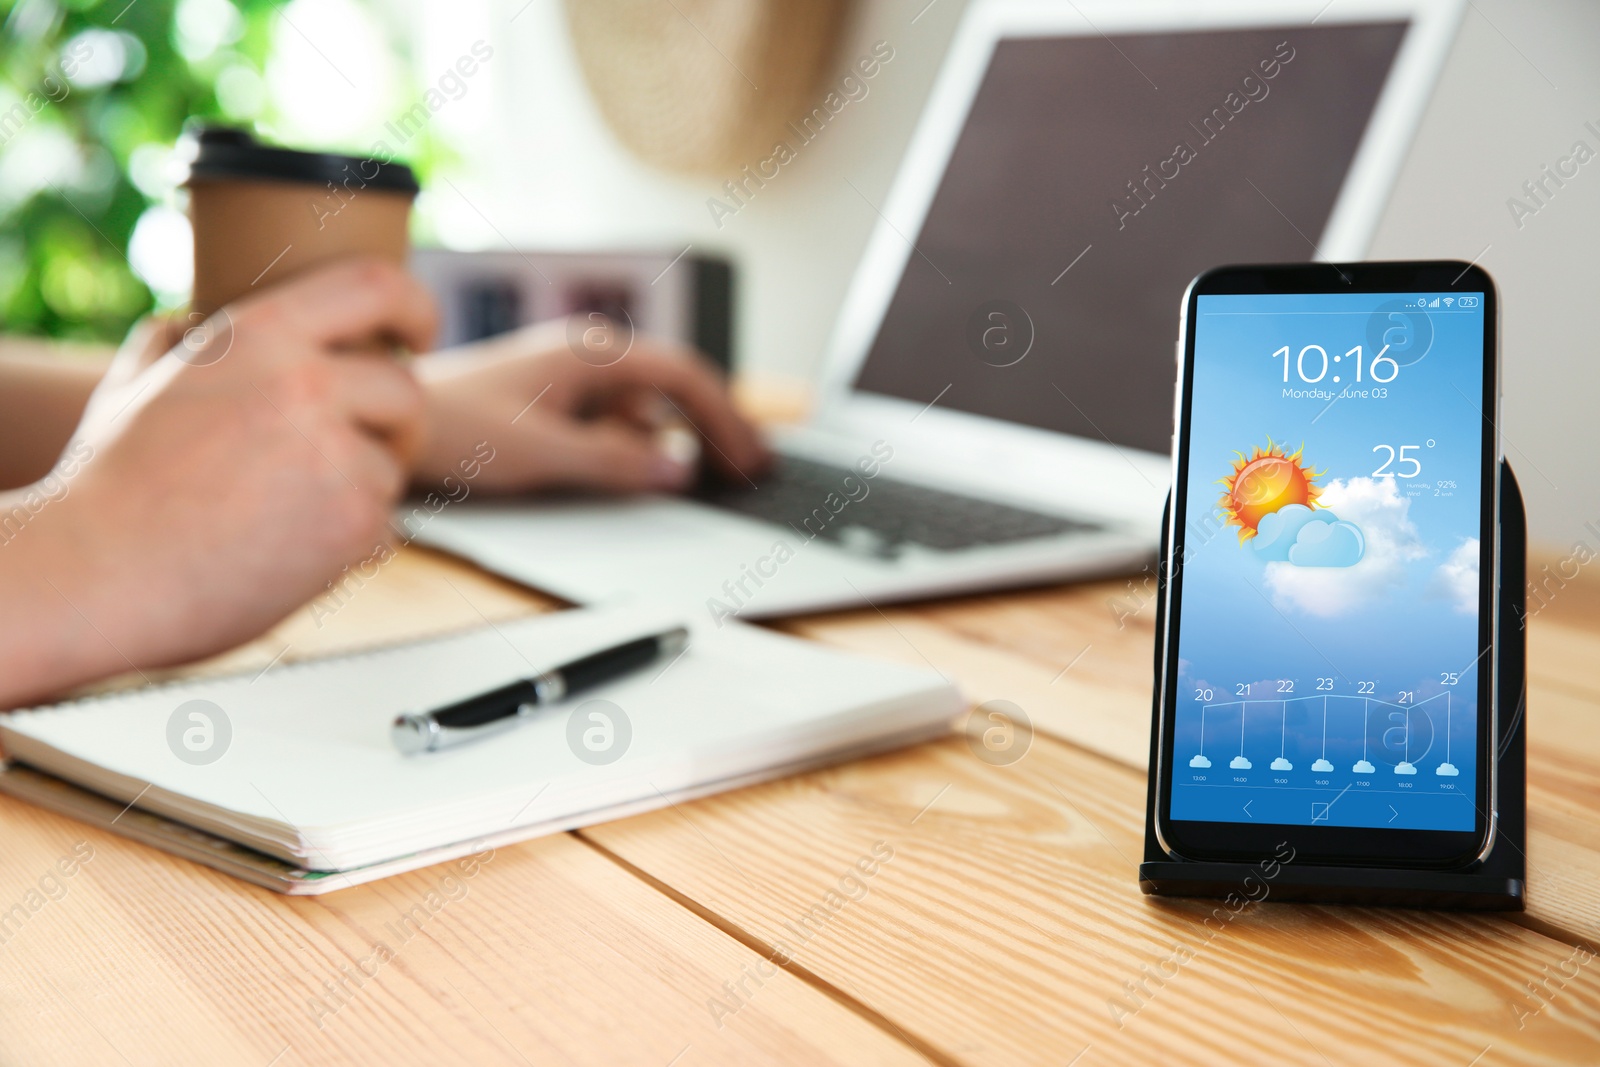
<point x="1328" y="637"/>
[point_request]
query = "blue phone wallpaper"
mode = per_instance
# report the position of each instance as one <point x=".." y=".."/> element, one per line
<point x="1328" y="634"/>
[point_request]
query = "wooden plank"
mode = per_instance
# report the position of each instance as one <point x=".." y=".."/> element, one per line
<point x="1565" y="657"/>
<point x="973" y="937"/>
<point x="549" y="952"/>
<point x="1565" y="587"/>
<point x="1006" y="926"/>
<point x="1078" y="662"/>
<point x="1076" y="659"/>
<point x="543" y="952"/>
<point x="1563" y="813"/>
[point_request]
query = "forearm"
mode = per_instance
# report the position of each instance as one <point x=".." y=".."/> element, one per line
<point x="47" y="645"/>
<point x="41" y="400"/>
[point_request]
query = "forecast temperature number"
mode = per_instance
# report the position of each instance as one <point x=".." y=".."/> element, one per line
<point x="1272" y="688"/>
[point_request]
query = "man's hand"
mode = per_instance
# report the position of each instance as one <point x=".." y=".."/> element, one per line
<point x="556" y="420"/>
<point x="220" y="486"/>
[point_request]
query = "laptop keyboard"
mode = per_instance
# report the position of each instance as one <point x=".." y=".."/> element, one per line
<point x="807" y="496"/>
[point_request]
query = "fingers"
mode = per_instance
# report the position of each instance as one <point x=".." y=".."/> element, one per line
<point x="609" y="456"/>
<point x="351" y="302"/>
<point x="372" y="468"/>
<point x="600" y="427"/>
<point x="381" y="397"/>
<point x="694" y="390"/>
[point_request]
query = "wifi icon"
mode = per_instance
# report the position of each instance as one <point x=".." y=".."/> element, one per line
<point x="1449" y="300"/>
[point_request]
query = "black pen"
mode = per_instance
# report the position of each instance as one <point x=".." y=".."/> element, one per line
<point x="489" y="713"/>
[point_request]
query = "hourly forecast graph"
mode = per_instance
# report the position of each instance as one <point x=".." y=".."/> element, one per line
<point x="1295" y="758"/>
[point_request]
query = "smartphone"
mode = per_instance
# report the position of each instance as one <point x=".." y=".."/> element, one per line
<point x="1327" y="657"/>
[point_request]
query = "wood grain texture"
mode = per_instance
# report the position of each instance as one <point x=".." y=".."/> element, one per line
<point x="1078" y="661"/>
<point x="1008" y="927"/>
<point x="1005" y="927"/>
<point x="543" y="953"/>
<point x="1563" y="657"/>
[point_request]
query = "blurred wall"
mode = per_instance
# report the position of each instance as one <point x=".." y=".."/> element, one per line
<point x="556" y="176"/>
<point x="1520" y="84"/>
<point x="1516" y="92"/>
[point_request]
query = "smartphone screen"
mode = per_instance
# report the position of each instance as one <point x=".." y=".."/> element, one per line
<point x="1331" y="611"/>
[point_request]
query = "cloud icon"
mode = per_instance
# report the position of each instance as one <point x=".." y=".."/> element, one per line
<point x="1392" y="546"/>
<point x="1307" y="538"/>
<point x="1276" y="532"/>
<point x="1327" y="544"/>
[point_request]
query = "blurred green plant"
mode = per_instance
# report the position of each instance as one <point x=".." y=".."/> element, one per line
<point x="93" y="98"/>
<point x="83" y="88"/>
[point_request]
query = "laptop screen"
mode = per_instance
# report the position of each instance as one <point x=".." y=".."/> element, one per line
<point x="1095" y="177"/>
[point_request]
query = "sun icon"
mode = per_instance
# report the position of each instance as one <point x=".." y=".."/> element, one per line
<point x="1262" y="483"/>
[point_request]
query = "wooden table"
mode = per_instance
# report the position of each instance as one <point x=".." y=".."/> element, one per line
<point x="1001" y="923"/>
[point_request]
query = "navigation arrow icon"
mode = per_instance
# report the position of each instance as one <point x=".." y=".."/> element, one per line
<point x="1396" y="814"/>
<point x="1250" y="802"/>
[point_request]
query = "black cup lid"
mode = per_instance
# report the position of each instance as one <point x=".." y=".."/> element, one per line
<point x="222" y="152"/>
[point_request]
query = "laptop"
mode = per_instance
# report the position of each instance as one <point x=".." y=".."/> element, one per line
<point x="996" y="406"/>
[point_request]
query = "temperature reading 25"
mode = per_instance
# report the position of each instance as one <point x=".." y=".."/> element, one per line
<point x="1312" y="364"/>
<point x="1405" y="465"/>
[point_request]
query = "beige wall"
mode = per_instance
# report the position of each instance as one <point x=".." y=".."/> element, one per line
<point x="1518" y="87"/>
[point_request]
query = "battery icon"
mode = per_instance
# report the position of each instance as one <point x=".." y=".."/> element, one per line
<point x="1467" y="301"/>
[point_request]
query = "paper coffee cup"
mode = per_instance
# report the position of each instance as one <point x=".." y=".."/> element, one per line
<point x="262" y="214"/>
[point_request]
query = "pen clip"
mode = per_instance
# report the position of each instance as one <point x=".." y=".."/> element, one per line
<point x="547" y="689"/>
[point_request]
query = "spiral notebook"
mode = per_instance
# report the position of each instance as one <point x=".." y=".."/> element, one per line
<point x="308" y="793"/>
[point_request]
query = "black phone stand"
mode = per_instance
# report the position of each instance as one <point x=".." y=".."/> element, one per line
<point x="1494" y="883"/>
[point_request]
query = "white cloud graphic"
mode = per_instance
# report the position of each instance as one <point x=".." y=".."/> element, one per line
<point x="1307" y="538"/>
<point x="1277" y="530"/>
<point x="1376" y="506"/>
<point x="1457" y="577"/>
<point x="1327" y="544"/>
